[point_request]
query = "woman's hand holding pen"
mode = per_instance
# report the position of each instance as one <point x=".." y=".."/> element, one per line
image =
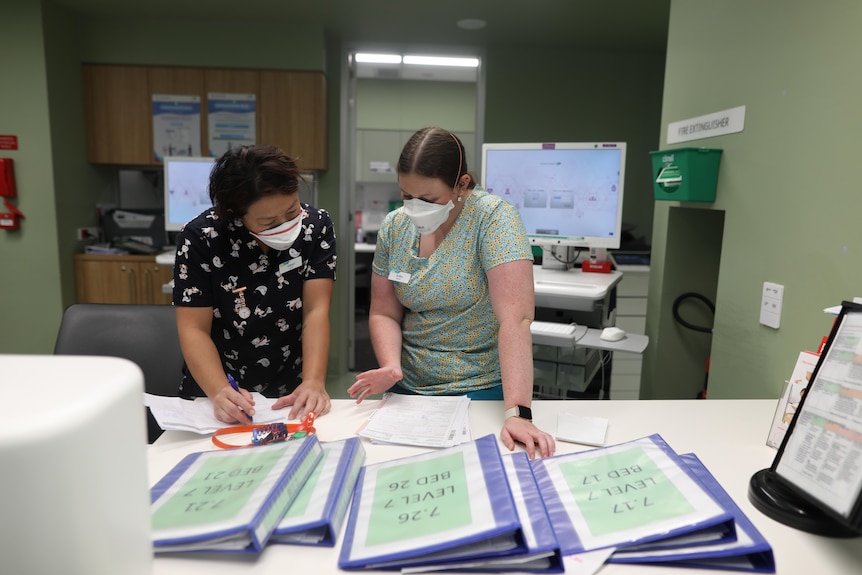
<point x="233" y="404"/>
<point x="374" y="381"/>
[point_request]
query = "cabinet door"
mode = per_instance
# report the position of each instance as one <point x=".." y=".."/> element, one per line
<point x="108" y="281"/>
<point x="293" y="115"/>
<point x="151" y="278"/>
<point x="117" y="111"/>
<point x="229" y="81"/>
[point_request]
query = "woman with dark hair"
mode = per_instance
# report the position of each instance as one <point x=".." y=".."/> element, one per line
<point x="253" y="283"/>
<point x="452" y="291"/>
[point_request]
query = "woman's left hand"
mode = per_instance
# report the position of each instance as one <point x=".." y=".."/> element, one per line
<point x="307" y="397"/>
<point x="535" y="441"/>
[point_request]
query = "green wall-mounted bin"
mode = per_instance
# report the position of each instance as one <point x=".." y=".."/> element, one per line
<point x="685" y="174"/>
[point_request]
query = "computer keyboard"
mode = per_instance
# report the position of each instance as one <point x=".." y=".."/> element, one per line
<point x="553" y="333"/>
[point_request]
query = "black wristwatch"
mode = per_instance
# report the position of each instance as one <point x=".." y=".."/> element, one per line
<point x="519" y="411"/>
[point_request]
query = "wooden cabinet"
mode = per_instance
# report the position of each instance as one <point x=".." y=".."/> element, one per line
<point x="121" y="279"/>
<point x="117" y="113"/>
<point x="291" y="109"/>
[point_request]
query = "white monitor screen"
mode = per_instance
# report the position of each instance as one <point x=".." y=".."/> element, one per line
<point x="187" y="182"/>
<point x="822" y="453"/>
<point x="568" y="194"/>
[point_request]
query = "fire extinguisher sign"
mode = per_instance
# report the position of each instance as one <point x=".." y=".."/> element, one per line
<point x="8" y="142"/>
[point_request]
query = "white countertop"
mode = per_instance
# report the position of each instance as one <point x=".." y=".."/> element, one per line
<point x="729" y="436"/>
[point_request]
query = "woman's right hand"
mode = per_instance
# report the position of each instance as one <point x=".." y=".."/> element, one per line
<point x="374" y="381"/>
<point x="232" y="406"/>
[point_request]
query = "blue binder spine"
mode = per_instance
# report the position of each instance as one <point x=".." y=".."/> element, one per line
<point x="334" y="483"/>
<point x="351" y="473"/>
<point x="708" y="513"/>
<point x="249" y="536"/>
<point x="535" y="523"/>
<point x="749" y="552"/>
<point x="481" y="455"/>
<point x="292" y="481"/>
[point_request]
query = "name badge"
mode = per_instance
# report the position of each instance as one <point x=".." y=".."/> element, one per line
<point x="400" y="277"/>
<point x="289" y="265"/>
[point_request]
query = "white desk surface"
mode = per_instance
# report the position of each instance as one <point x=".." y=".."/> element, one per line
<point x="572" y="289"/>
<point x="729" y="436"/>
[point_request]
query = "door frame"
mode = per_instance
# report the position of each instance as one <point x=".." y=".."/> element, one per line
<point x="347" y="167"/>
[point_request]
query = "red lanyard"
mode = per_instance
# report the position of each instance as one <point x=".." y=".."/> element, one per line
<point x="267" y="433"/>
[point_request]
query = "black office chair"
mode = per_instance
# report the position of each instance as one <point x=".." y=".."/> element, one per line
<point x="144" y="334"/>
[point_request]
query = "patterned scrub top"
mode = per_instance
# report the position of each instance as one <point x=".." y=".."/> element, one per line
<point x="449" y="329"/>
<point x="214" y="257"/>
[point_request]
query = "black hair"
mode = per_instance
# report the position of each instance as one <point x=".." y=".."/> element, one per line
<point x="244" y="174"/>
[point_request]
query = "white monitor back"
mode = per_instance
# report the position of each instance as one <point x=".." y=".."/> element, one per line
<point x="74" y="493"/>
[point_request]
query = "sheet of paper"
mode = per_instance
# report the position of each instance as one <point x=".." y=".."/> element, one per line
<point x="588" y="562"/>
<point x="197" y="415"/>
<point x="438" y="421"/>
<point x="581" y="429"/>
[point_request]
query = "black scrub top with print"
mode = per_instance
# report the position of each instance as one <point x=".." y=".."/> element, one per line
<point x="260" y="342"/>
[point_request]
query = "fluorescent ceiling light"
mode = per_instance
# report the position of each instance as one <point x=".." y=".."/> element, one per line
<point x="441" y="61"/>
<point x="378" y="58"/>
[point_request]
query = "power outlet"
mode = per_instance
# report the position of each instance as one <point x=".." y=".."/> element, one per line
<point x="85" y="234"/>
<point x="771" y="300"/>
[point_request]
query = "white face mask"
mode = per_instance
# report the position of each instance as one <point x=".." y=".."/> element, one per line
<point x="281" y="237"/>
<point x="426" y="216"/>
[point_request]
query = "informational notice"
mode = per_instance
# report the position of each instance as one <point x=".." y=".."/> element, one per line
<point x="231" y="121"/>
<point x="708" y="126"/>
<point x="176" y="126"/>
<point x="823" y="455"/>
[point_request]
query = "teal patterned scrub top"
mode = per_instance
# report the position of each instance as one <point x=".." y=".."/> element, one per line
<point x="449" y="328"/>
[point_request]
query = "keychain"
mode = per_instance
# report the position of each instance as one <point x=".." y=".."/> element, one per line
<point x="266" y="433"/>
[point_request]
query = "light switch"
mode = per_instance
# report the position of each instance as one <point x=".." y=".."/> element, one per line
<point x="770" y="304"/>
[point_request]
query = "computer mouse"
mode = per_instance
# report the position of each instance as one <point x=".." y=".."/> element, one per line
<point x="612" y="334"/>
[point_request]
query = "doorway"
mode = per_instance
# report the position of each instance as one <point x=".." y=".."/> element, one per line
<point x="382" y="104"/>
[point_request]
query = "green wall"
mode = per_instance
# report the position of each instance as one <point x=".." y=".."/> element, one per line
<point x="581" y="96"/>
<point x="414" y="104"/>
<point x="30" y="271"/>
<point x="787" y="187"/>
<point x="590" y="96"/>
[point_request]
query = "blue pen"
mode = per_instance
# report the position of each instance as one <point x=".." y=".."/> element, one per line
<point x="235" y="387"/>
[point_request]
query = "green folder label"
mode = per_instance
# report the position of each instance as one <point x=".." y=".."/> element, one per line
<point x="622" y="491"/>
<point x="218" y="490"/>
<point x="419" y="499"/>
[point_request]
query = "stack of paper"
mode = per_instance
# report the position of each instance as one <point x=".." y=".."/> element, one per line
<point x="316" y="516"/>
<point x="426" y="421"/>
<point x="197" y="415"/>
<point x="231" y="500"/>
<point x="650" y="505"/>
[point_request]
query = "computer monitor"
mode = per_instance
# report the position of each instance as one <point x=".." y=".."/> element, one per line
<point x="815" y="481"/>
<point x="568" y="194"/>
<point x="187" y="181"/>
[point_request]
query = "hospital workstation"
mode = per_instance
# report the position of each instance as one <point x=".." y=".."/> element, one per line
<point x="111" y="518"/>
<point x="101" y="131"/>
<point x="570" y="197"/>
